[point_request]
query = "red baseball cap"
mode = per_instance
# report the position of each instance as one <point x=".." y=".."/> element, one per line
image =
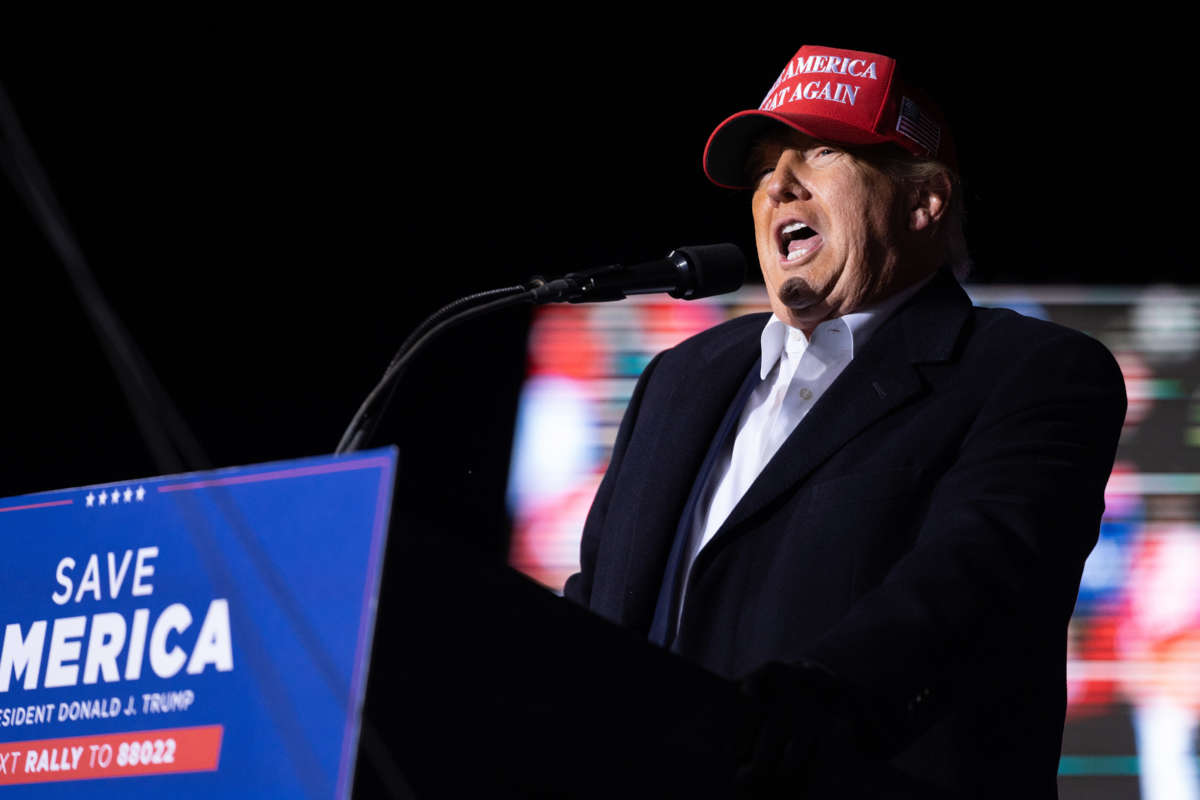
<point x="843" y="96"/>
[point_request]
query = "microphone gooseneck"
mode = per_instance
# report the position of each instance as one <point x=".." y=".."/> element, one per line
<point x="687" y="273"/>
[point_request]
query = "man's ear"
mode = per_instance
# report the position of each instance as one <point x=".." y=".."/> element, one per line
<point x="928" y="201"/>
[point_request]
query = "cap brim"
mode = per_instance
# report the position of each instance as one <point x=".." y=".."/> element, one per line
<point x="727" y="147"/>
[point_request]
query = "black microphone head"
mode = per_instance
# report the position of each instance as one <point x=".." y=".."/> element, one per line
<point x="715" y="269"/>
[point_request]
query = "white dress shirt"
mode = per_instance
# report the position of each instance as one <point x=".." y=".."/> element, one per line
<point x="796" y="371"/>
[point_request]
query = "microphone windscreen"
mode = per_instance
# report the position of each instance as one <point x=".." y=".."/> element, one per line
<point x="717" y="269"/>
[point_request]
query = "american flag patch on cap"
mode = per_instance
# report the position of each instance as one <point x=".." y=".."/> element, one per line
<point x="919" y="127"/>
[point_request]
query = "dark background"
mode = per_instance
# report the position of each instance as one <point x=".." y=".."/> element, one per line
<point x="271" y="212"/>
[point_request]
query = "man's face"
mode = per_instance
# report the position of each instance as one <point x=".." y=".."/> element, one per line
<point x="830" y="229"/>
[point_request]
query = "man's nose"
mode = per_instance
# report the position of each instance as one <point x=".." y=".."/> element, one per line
<point x="787" y="181"/>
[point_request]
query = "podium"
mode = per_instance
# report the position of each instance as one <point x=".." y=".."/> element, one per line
<point x="492" y="686"/>
<point x="208" y="635"/>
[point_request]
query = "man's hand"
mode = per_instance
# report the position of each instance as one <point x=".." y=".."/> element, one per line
<point x="804" y="721"/>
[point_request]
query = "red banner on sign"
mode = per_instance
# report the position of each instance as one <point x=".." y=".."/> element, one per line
<point x="113" y="755"/>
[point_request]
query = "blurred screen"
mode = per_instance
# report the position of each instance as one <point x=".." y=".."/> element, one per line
<point x="1134" y="641"/>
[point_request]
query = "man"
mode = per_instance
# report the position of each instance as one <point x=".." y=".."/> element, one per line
<point x="873" y="505"/>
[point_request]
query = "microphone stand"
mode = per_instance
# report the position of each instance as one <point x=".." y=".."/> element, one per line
<point x="365" y="420"/>
<point x="686" y="273"/>
<point x="363" y="426"/>
<point x="575" y="287"/>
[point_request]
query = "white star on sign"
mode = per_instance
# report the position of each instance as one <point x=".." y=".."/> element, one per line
<point x="91" y="498"/>
<point x="128" y="493"/>
<point x="115" y="497"/>
<point x="140" y="494"/>
<point x="103" y="498"/>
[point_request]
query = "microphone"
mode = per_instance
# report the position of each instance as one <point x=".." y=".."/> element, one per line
<point x="686" y="273"/>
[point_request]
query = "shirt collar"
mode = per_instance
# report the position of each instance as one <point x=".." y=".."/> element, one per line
<point x="860" y="324"/>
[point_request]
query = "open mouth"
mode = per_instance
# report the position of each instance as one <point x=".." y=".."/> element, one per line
<point x="798" y="239"/>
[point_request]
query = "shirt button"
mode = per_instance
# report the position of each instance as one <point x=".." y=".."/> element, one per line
<point x="805" y="393"/>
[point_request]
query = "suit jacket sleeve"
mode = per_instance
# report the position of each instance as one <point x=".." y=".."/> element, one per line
<point x="1001" y="544"/>
<point x="579" y="586"/>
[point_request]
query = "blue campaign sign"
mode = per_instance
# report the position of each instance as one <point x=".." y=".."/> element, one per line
<point x="202" y="635"/>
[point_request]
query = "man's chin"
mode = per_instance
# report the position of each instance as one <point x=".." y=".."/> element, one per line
<point x="796" y="295"/>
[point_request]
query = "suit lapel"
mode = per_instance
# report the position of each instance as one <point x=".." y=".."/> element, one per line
<point x="877" y="381"/>
<point x="700" y="399"/>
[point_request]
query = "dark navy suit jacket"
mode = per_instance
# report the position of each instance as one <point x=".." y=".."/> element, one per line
<point x="920" y="535"/>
